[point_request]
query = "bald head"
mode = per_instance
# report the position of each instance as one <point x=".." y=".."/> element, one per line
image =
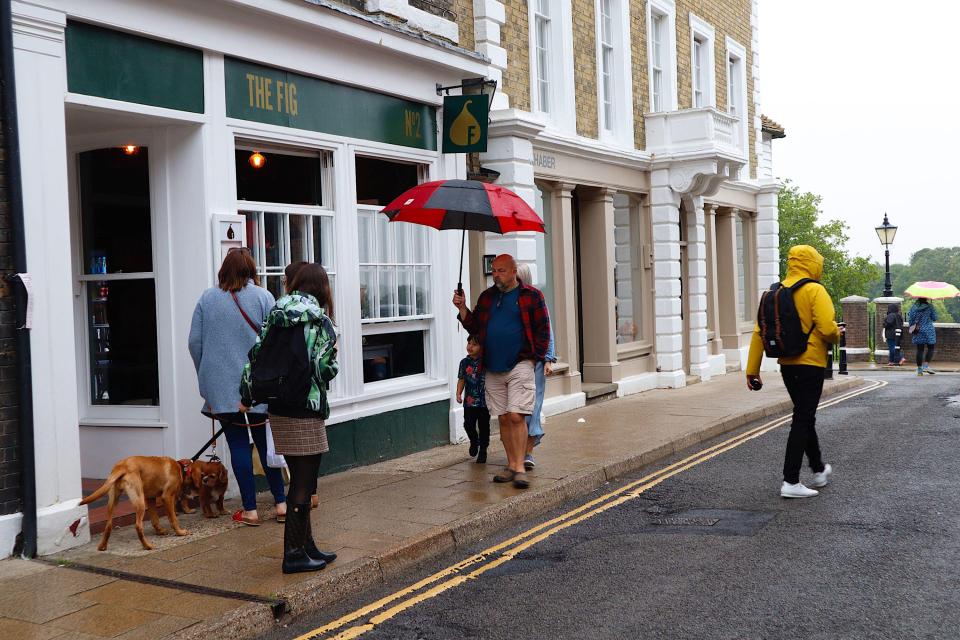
<point x="505" y="272"/>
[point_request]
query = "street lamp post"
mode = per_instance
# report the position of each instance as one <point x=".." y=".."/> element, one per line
<point x="886" y="233"/>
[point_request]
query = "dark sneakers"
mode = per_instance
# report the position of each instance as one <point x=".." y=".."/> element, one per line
<point x="482" y="456"/>
<point x="474" y="448"/>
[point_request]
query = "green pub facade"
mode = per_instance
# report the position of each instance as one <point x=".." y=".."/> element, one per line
<point x="186" y="135"/>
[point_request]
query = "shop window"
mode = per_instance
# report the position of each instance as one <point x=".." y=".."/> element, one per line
<point x="289" y="224"/>
<point x="628" y="269"/>
<point x="121" y="307"/>
<point x="393" y="355"/>
<point x="395" y="271"/>
<point x="289" y="177"/>
<point x="277" y="238"/>
<point x="380" y="181"/>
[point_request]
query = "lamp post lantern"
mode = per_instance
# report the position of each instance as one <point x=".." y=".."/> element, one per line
<point x="886" y="233"/>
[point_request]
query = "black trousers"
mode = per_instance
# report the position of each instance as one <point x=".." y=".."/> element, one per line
<point x="804" y="384"/>
<point x="474" y="417"/>
<point x="920" y="358"/>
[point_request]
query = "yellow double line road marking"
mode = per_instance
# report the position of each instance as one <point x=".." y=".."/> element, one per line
<point x="380" y="611"/>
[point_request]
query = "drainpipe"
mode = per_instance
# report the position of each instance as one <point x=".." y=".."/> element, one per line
<point x="28" y="482"/>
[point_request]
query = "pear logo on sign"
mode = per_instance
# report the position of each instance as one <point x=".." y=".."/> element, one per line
<point x="465" y="129"/>
<point x="465" y="123"/>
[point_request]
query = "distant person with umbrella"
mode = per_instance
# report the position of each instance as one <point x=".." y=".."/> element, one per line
<point x="923" y="334"/>
<point x="513" y="325"/>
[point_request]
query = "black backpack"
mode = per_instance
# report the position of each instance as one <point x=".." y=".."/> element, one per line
<point x="281" y="373"/>
<point x="779" y="322"/>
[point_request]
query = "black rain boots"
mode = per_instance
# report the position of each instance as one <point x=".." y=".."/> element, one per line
<point x="296" y="559"/>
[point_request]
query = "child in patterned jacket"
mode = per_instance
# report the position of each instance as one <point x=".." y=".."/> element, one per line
<point x="475" y="414"/>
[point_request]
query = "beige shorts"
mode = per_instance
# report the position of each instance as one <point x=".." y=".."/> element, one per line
<point x="513" y="391"/>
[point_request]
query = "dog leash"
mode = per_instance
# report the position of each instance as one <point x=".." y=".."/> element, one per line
<point x="216" y="434"/>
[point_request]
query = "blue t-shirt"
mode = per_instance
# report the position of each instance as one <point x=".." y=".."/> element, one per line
<point x="471" y="372"/>
<point x="504" y="333"/>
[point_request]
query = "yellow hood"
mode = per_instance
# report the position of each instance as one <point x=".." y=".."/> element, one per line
<point x="803" y="261"/>
<point x="817" y="315"/>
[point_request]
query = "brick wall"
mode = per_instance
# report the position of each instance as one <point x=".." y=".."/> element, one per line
<point x="9" y="446"/>
<point x="464" y="12"/>
<point x="855" y="315"/>
<point x="514" y="37"/>
<point x="585" y="66"/>
<point x="728" y="18"/>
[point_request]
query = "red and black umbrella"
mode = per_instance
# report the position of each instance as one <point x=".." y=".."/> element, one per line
<point x="464" y="204"/>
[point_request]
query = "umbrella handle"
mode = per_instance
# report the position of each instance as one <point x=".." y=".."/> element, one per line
<point x="463" y="238"/>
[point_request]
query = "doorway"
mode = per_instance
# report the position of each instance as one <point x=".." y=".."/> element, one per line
<point x="575" y="207"/>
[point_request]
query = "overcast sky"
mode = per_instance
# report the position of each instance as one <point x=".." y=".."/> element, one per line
<point x="867" y="91"/>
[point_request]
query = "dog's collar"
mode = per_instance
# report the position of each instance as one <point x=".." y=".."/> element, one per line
<point x="185" y="469"/>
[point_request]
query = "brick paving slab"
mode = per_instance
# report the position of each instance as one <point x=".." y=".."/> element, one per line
<point x="382" y="520"/>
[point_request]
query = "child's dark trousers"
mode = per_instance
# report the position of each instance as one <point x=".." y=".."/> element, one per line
<point x="474" y="418"/>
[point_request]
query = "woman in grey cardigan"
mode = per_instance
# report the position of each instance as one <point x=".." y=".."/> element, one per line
<point x="225" y="326"/>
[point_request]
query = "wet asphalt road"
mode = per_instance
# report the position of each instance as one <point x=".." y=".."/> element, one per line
<point x="876" y="555"/>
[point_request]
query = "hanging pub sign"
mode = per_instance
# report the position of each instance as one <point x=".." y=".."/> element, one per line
<point x="465" y="120"/>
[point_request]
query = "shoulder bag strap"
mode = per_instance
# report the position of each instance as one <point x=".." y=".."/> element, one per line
<point x="255" y="328"/>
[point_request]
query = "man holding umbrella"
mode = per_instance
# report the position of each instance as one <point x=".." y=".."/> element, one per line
<point x="513" y="325"/>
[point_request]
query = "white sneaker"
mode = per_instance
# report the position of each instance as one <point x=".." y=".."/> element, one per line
<point x="821" y="479"/>
<point x="788" y="490"/>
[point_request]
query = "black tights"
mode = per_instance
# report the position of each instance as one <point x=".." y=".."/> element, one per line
<point x="920" y="358"/>
<point x="303" y="477"/>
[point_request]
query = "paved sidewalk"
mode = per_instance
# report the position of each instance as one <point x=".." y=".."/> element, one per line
<point x="381" y="520"/>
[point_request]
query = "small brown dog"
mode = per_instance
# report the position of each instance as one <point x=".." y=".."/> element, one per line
<point x="144" y="479"/>
<point x="208" y="480"/>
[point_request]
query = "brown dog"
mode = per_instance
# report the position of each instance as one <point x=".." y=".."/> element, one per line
<point x="144" y="479"/>
<point x="208" y="480"/>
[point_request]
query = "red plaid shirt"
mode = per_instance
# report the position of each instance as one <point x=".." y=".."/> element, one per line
<point x="533" y="312"/>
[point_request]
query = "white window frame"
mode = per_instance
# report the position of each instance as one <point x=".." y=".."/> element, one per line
<point x="560" y="113"/>
<point x="324" y="210"/>
<point x="668" y="67"/>
<point x="108" y="414"/>
<point x="542" y="98"/>
<point x="619" y="129"/>
<point x="736" y="70"/>
<point x="702" y="33"/>
<point x="374" y="326"/>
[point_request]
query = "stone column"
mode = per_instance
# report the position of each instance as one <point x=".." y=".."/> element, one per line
<point x="40" y="62"/>
<point x="697" y="287"/>
<point x="597" y="286"/>
<point x="668" y="326"/>
<point x="729" y="320"/>
<point x="564" y="316"/>
<point x="713" y="284"/>
<point x="512" y="156"/>
<point x="855" y="315"/>
<point x="768" y="238"/>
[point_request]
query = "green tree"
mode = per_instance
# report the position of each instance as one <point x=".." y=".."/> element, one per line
<point x="939" y="263"/>
<point x="843" y="274"/>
